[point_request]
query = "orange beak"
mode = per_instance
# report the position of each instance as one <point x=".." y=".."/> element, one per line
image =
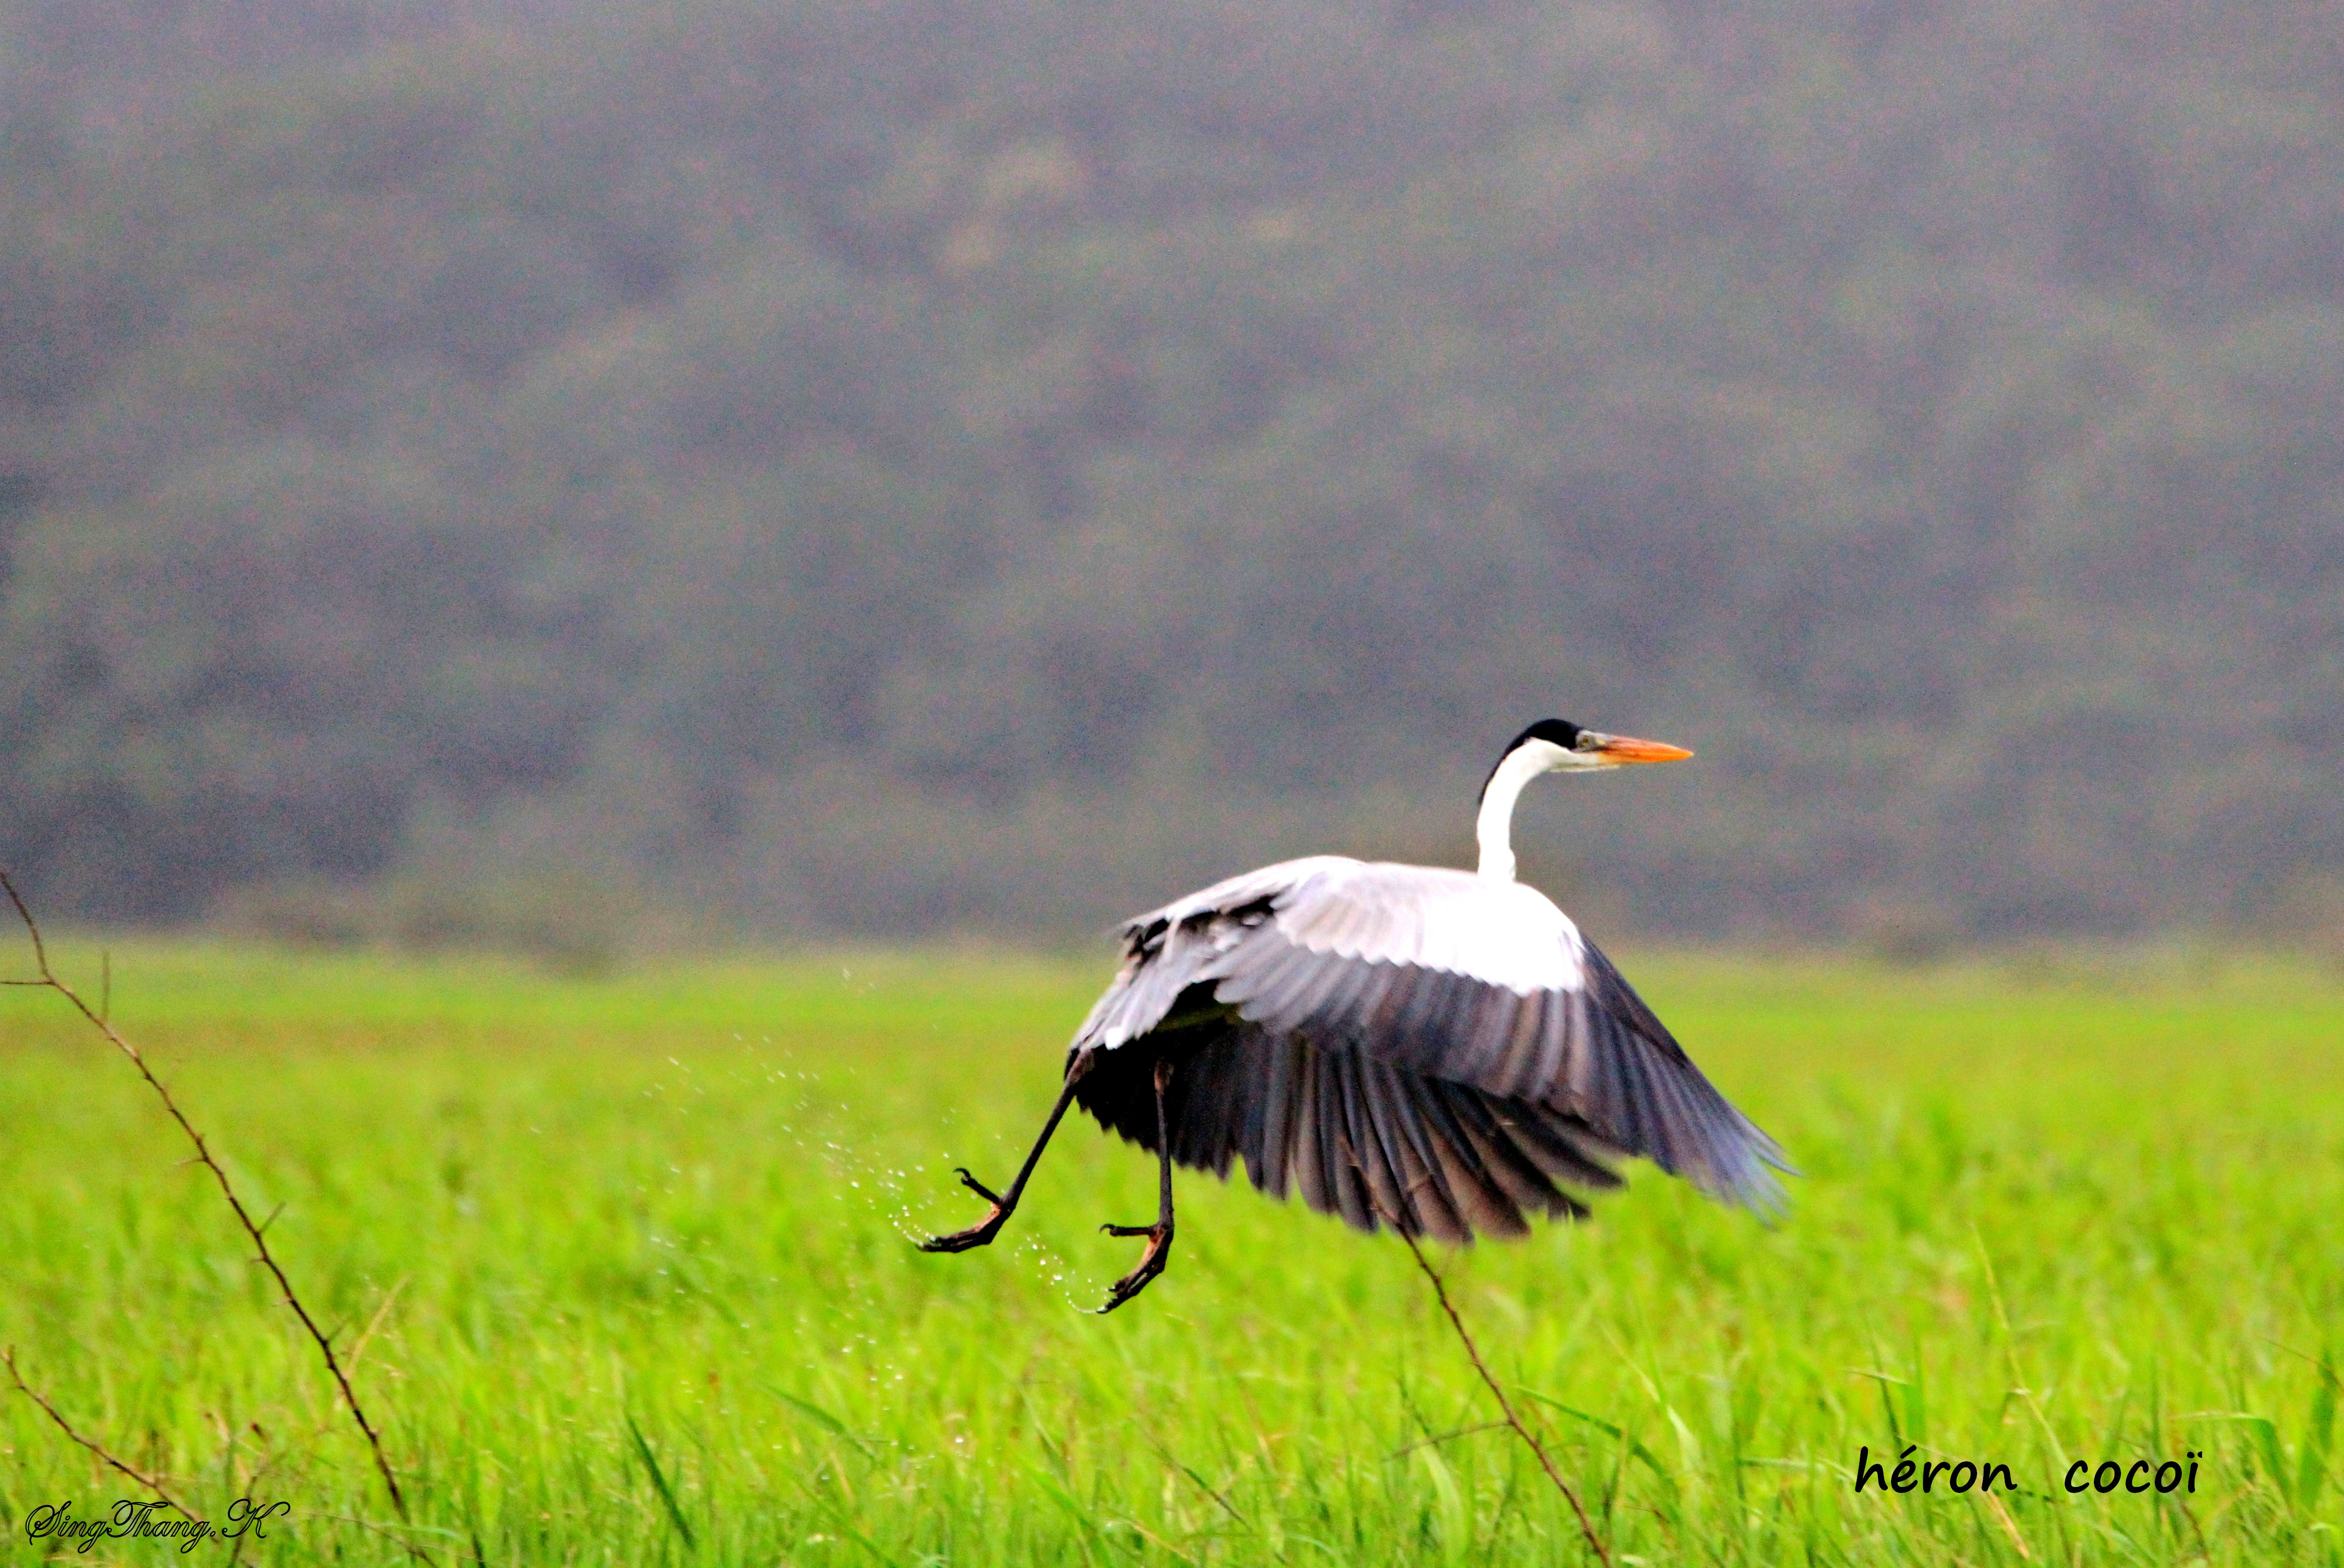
<point x="1628" y="749"/>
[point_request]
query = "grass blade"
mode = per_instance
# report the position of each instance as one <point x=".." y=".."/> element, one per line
<point x="820" y="1417"/>
<point x="659" y="1484"/>
<point x="2311" y="1473"/>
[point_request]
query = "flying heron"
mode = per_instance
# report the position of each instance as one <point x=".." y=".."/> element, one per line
<point x="1409" y="1045"/>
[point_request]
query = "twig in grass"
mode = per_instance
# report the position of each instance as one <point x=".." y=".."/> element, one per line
<point x="1505" y="1405"/>
<point x="66" y="1427"/>
<point x="1404" y="1450"/>
<point x="1163" y="1453"/>
<point x="391" y="1533"/>
<point x="46" y="979"/>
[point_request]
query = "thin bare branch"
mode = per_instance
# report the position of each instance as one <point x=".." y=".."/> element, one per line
<point x="1505" y="1405"/>
<point x="1404" y="1450"/>
<point x="46" y="977"/>
<point x="1163" y="1453"/>
<point x="40" y="951"/>
<point x="390" y="1533"/>
<point x="66" y="1427"/>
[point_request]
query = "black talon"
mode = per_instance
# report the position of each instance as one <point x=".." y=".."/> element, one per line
<point x="974" y="1185"/>
<point x="976" y="1235"/>
<point x="1151" y="1262"/>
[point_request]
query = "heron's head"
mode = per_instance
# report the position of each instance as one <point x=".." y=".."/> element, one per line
<point x="1557" y="746"/>
<point x="1549" y="746"/>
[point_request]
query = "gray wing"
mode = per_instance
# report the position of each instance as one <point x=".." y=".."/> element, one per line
<point x="1349" y="1135"/>
<point x="1593" y="1053"/>
<point x="1444" y="980"/>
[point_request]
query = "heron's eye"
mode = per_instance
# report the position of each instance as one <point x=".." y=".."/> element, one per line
<point x="1588" y="741"/>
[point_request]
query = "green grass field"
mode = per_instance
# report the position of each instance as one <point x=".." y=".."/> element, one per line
<point x="2048" y="1213"/>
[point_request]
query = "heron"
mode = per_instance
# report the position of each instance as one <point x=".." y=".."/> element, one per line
<point x="1438" y="1051"/>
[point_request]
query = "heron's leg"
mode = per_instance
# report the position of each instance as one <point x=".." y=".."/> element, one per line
<point x="1159" y="1235"/>
<point x="1005" y="1203"/>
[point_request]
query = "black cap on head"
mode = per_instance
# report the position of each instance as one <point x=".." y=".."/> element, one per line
<point x="1562" y="732"/>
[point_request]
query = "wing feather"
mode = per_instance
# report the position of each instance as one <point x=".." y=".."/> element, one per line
<point x="1508" y="1061"/>
<point x="1381" y="1157"/>
<point x="1442" y="1205"/>
<point x="1513" y="1167"/>
<point x="1350" y="1143"/>
<point x="1395" y="1118"/>
<point x="1266" y="1155"/>
<point x="1480" y="1197"/>
<point x="1560" y="1145"/>
<point x="1307" y="1152"/>
<point x="1437" y="1205"/>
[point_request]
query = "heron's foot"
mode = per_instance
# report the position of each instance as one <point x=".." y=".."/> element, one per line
<point x="1151" y="1262"/>
<point x="978" y="1234"/>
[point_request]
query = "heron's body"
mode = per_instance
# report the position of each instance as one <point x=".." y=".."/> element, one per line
<point x="1410" y="1046"/>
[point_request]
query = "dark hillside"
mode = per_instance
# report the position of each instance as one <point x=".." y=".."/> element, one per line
<point x="900" y="466"/>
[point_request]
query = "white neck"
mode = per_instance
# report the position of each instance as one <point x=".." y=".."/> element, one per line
<point x="1494" y="829"/>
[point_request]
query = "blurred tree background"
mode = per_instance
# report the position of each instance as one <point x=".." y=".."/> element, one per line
<point x="910" y="466"/>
